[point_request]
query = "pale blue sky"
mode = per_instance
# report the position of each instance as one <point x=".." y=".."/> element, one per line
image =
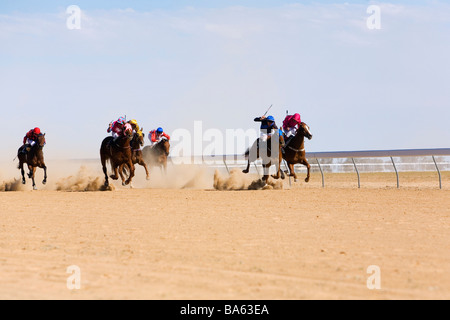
<point x="169" y="63"/>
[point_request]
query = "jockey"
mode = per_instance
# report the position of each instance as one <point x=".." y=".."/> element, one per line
<point x="268" y="127"/>
<point x="30" y="139"/>
<point x="135" y="126"/>
<point x="157" y="135"/>
<point x="116" y="128"/>
<point x="290" y="126"/>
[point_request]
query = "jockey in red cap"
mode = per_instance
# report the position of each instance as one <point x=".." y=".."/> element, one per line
<point x="30" y="139"/>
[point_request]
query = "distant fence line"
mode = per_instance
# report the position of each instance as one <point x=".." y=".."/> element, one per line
<point x="315" y="159"/>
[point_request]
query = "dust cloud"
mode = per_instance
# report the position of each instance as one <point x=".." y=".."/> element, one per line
<point x="240" y="181"/>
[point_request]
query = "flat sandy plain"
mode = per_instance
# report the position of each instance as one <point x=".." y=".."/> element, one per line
<point x="194" y="242"/>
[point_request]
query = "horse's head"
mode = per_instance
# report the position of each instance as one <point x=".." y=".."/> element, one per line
<point x="128" y="131"/>
<point x="139" y="138"/>
<point x="164" y="144"/>
<point x="41" y="140"/>
<point x="304" y="129"/>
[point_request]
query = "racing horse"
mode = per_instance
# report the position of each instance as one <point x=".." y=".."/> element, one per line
<point x="156" y="156"/>
<point x="294" y="151"/>
<point x="136" y="153"/>
<point x="34" y="157"/>
<point x="119" y="154"/>
<point x="270" y="153"/>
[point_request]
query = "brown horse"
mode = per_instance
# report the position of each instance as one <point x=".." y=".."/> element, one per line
<point x="136" y="153"/>
<point x="294" y="152"/>
<point x="118" y="153"/>
<point x="270" y="155"/>
<point x="157" y="155"/>
<point x="33" y="158"/>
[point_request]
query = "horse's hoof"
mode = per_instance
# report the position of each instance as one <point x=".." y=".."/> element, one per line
<point x="295" y="180"/>
<point x="44" y="182"/>
<point x="275" y="177"/>
<point x="34" y="188"/>
<point x="24" y="182"/>
<point x="148" y="178"/>
<point x="245" y="171"/>
<point x="114" y="177"/>
<point x="307" y="180"/>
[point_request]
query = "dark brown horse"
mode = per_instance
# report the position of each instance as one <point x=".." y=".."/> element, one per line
<point x="34" y="157"/>
<point x="136" y="153"/>
<point x="118" y="153"/>
<point x="270" y="153"/>
<point x="157" y="155"/>
<point x="294" y="152"/>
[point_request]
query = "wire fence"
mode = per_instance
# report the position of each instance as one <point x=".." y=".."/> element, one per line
<point x="411" y="160"/>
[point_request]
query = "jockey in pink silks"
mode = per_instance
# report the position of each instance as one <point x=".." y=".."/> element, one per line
<point x="119" y="128"/>
<point x="290" y="125"/>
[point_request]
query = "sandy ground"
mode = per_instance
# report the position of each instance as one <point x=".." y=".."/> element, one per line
<point x="160" y="241"/>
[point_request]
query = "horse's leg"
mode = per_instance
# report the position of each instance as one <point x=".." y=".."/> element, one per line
<point x="280" y="160"/>
<point x="253" y="155"/>
<point x="304" y="162"/>
<point x="115" y="169"/>
<point x="140" y="161"/>
<point x="45" y="174"/>
<point x="292" y="171"/>
<point x="147" y="173"/>
<point x="105" y="171"/>
<point x="30" y="171"/>
<point x="32" y="177"/>
<point x="121" y="173"/>
<point x="248" y="167"/>
<point x="277" y="176"/>
<point x="266" y="168"/>
<point x="280" y="173"/>
<point x="131" y="167"/>
<point x="22" y="171"/>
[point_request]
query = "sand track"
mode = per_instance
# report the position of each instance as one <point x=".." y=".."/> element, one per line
<point x="300" y="243"/>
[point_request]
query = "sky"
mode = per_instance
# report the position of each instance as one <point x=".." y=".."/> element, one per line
<point x="170" y="63"/>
